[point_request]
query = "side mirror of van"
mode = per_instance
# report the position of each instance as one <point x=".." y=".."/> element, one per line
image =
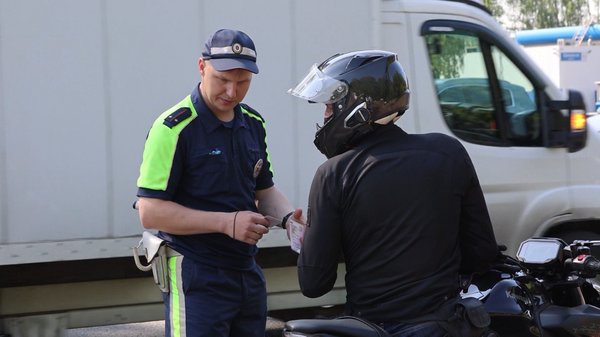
<point x="566" y="123"/>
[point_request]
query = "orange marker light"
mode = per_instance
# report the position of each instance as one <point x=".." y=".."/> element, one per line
<point x="578" y="120"/>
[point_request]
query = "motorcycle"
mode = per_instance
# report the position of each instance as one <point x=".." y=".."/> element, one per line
<point x="547" y="290"/>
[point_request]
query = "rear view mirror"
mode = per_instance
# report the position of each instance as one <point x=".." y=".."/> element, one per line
<point x="566" y="123"/>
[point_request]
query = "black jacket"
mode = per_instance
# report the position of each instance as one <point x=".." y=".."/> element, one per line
<point x="407" y="214"/>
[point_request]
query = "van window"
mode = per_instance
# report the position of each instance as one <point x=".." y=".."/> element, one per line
<point x="484" y="97"/>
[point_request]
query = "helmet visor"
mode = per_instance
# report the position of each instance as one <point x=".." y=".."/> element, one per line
<point x="319" y="87"/>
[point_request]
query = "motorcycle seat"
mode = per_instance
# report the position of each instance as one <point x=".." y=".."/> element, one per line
<point x="343" y="326"/>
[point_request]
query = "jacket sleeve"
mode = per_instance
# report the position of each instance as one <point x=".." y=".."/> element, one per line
<point x="320" y="253"/>
<point x="477" y="241"/>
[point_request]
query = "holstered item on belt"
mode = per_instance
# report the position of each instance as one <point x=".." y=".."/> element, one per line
<point x="470" y="320"/>
<point x="157" y="253"/>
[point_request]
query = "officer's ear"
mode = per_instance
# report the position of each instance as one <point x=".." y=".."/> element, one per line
<point x="201" y="66"/>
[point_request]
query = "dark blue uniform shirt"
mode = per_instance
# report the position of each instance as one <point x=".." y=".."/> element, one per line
<point x="216" y="166"/>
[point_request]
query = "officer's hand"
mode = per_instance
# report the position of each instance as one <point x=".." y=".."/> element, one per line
<point x="248" y="227"/>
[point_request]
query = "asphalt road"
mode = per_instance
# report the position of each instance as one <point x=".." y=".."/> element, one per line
<point x="146" y="329"/>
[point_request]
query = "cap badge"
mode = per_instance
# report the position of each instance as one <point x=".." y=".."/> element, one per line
<point x="237" y="48"/>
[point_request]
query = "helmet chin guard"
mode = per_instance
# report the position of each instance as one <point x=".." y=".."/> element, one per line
<point x="366" y="88"/>
<point x="344" y="130"/>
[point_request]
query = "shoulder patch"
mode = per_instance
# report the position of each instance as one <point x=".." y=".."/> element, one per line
<point x="177" y="117"/>
<point x="246" y="108"/>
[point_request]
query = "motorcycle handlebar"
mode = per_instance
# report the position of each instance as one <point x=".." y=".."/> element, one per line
<point x="507" y="268"/>
<point x="507" y="264"/>
<point x="584" y="263"/>
<point x="594" y="266"/>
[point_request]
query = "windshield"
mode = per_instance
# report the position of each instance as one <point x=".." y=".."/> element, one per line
<point x="319" y="87"/>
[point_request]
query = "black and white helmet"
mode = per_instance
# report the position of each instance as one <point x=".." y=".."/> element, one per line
<point x="366" y="88"/>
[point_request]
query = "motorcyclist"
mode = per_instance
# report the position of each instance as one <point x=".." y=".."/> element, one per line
<point x="405" y="211"/>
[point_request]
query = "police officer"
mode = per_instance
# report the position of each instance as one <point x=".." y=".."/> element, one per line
<point x="205" y="182"/>
<point x="405" y="211"/>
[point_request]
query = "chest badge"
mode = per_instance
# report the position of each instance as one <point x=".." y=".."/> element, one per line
<point x="257" y="167"/>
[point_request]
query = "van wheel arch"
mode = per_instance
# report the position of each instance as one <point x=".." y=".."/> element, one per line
<point x="571" y="236"/>
<point x="570" y="231"/>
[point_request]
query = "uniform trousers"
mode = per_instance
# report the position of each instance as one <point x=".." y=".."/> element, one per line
<point x="208" y="301"/>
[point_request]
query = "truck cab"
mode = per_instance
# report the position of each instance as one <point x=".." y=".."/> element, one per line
<point x="535" y="152"/>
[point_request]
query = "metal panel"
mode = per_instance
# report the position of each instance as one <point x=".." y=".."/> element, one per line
<point x="151" y="54"/>
<point x="113" y="296"/>
<point x="39" y="252"/>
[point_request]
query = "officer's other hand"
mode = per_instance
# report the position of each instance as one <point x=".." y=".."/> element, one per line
<point x="248" y="227"/>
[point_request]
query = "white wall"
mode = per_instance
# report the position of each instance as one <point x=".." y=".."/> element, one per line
<point x="578" y="74"/>
<point x="81" y="82"/>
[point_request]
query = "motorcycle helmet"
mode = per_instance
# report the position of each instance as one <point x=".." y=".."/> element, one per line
<point x="366" y="88"/>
